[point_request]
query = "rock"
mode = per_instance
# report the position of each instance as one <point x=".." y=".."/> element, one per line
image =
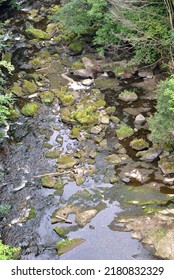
<point x="147" y="73"/>
<point x="30" y="109"/>
<point x="141" y="175"/>
<point x="103" y="144"/>
<point x="166" y="164"/>
<point x="14" y="115"/>
<point x="117" y="159"/>
<point x="113" y="179"/>
<point x="87" y="82"/>
<point x="37" y="33"/>
<point x="51" y="29"/>
<point x="140" y="119"/>
<point x="79" y="179"/>
<point x="105" y="119"/>
<point x="29" y="87"/>
<point x="128" y="96"/>
<point x="68" y="244"/>
<point x="151" y="154"/>
<point x="96" y="129"/>
<point x="88" y="63"/>
<point x="48" y="181"/>
<point x="93" y="154"/>
<point x="65" y="162"/>
<point x="67" y="99"/>
<point x="83" y="73"/>
<point x="106" y="83"/>
<point x="76" y="47"/>
<point x="139" y="144"/>
<point x="124" y="131"/>
<point x="46" y="97"/>
<point x="82" y="218"/>
<point x="115" y="119"/>
<point x="53" y="154"/>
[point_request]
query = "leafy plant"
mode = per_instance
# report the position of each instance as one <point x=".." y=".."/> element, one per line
<point x="161" y="124"/>
<point x="8" y="252"/>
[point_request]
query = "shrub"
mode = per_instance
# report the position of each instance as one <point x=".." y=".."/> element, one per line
<point x="162" y="124"/>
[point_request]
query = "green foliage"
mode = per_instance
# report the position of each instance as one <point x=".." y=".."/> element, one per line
<point x="142" y="27"/>
<point x="7" y="252"/>
<point x="161" y="124"/>
<point x="4" y="209"/>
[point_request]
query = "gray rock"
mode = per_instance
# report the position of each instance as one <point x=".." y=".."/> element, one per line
<point x="84" y="73"/>
<point x="140" y="119"/>
<point x="151" y="154"/>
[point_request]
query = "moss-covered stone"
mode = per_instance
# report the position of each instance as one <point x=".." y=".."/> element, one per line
<point x="84" y="116"/>
<point x="124" y="131"/>
<point x="14" y="115"/>
<point x="46" y="97"/>
<point x="30" y="109"/>
<point x="128" y="96"/>
<point x="139" y="144"/>
<point x="79" y="179"/>
<point x="48" y="181"/>
<point x="110" y="110"/>
<point x="76" y="47"/>
<point x="62" y="231"/>
<point x="55" y="9"/>
<point x="75" y="132"/>
<point x="77" y="65"/>
<point x="67" y="99"/>
<point x="32" y="214"/>
<point x="53" y="154"/>
<point x="35" y="62"/>
<point x="67" y="245"/>
<point x="37" y="33"/>
<point x="48" y="145"/>
<point x="16" y="89"/>
<point x="65" y="162"/>
<point x="51" y="28"/>
<point x="29" y="87"/>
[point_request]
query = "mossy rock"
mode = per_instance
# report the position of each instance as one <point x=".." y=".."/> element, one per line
<point x="37" y="33"/>
<point x="30" y="109"/>
<point x="55" y="9"/>
<point x="76" y="47"/>
<point x="14" y="115"/>
<point x="139" y="144"/>
<point x="53" y="154"/>
<point x="67" y="99"/>
<point x="124" y="131"/>
<point x="77" y="65"/>
<point x="75" y="132"/>
<point x="32" y="214"/>
<point x="48" y="182"/>
<point x="68" y="244"/>
<point x="65" y="162"/>
<point x="46" y="97"/>
<point x="84" y="116"/>
<point x="29" y="87"/>
<point x="128" y="96"/>
<point x="51" y="28"/>
<point x="110" y="110"/>
<point x="62" y="231"/>
<point x="17" y="90"/>
<point x="35" y="62"/>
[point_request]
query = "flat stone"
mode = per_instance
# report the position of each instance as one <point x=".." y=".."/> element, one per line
<point x="65" y="162"/>
<point x="84" y="73"/>
<point x="96" y="129"/>
<point x="105" y="119"/>
<point x="151" y="154"/>
<point x="82" y="218"/>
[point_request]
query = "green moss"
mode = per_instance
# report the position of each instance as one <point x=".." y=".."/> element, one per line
<point x="29" y="87"/>
<point x="61" y="231"/>
<point x="55" y="9"/>
<point x="16" y="89"/>
<point x="67" y="99"/>
<point x="65" y="161"/>
<point x="48" y="181"/>
<point x="139" y="144"/>
<point x="46" y="97"/>
<point x="85" y="115"/>
<point x="67" y="245"/>
<point x="35" y="62"/>
<point x="53" y="154"/>
<point x="76" y="47"/>
<point x="48" y="145"/>
<point x="77" y="65"/>
<point x="37" y="33"/>
<point x="75" y="132"/>
<point x="32" y="214"/>
<point x="110" y="110"/>
<point x="8" y="252"/>
<point x="30" y="109"/>
<point x="14" y="115"/>
<point x="124" y="131"/>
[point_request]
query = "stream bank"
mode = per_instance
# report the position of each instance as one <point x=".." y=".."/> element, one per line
<point x="78" y="162"/>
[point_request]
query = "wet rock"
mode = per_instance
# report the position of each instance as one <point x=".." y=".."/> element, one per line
<point x="76" y="47"/>
<point x="68" y="244"/>
<point x="48" y="181"/>
<point x="93" y="154"/>
<point x="82" y="218"/>
<point x="79" y="179"/>
<point x="14" y="115"/>
<point x="140" y="119"/>
<point x="87" y="82"/>
<point x="37" y="33"/>
<point x="150" y="155"/>
<point x="88" y="63"/>
<point x="115" y="119"/>
<point x="147" y="73"/>
<point x="106" y="83"/>
<point x="110" y="110"/>
<point x="51" y="29"/>
<point x="65" y="162"/>
<point x="117" y="159"/>
<point x="113" y="179"/>
<point x="124" y="131"/>
<point x="105" y="119"/>
<point x="155" y="230"/>
<point x="139" y="174"/>
<point x="128" y="96"/>
<point x="30" y="109"/>
<point x="29" y="87"/>
<point x="83" y="73"/>
<point x="53" y="154"/>
<point x="46" y="97"/>
<point x="139" y="144"/>
<point x="96" y="129"/>
<point x="103" y="144"/>
<point x="166" y="164"/>
<point x="18" y="131"/>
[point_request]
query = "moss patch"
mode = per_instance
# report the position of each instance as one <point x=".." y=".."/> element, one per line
<point x="30" y="109"/>
<point x="76" y="47"/>
<point x="29" y="87"/>
<point x="14" y="115"/>
<point x="124" y="131"/>
<point x="53" y="154"/>
<point x="32" y="214"/>
<point x="48" y="181"/>
<point x="46" y="97"/>
<point x="65" y="161"/>
<point x="67" y="245"/>
<point x="139" y="144"/>
<point x="37" y="33"/>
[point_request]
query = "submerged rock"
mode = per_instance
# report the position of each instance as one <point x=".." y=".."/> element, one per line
<point x="67" y="245"/>
<point x="65" y="162"/>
